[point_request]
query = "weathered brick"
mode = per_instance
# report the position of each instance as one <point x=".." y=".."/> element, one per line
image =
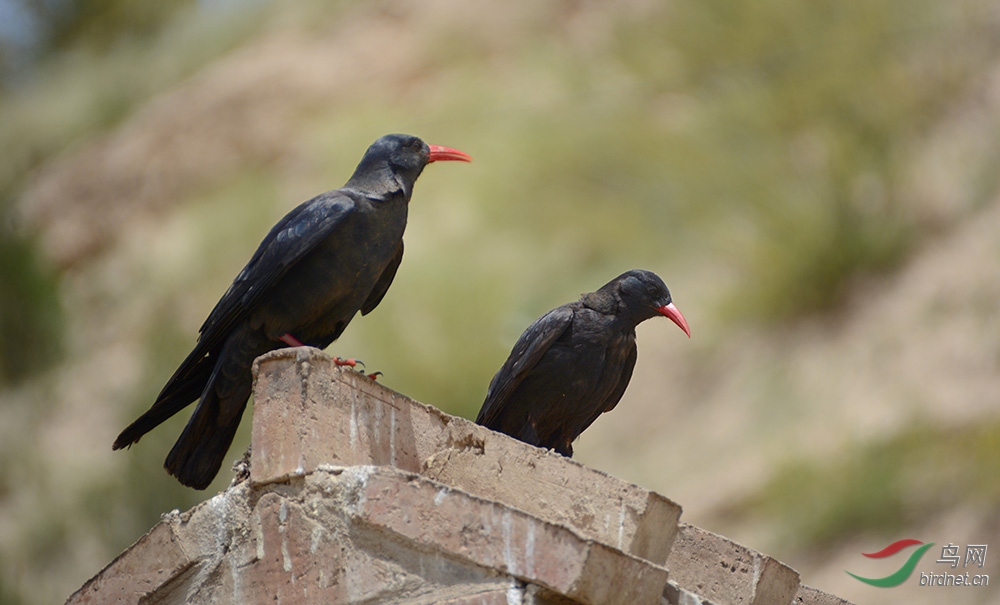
<point x="454" y="513"/>
<point x="727" y="573"/>
<point x="808" y="595"/>
<point x="297" y="562"/>
<point x="308" y="412"/>
<point x="675" y="595"/>
<point x="558" y="489"/>
<point x="439" y="518"/>
<point x="366" y="534"/>
<point x="493" y="597"/>
<point x="129" y="577"/>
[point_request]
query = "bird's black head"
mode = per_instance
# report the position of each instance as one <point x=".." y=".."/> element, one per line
<point x="393" y="163"/>
<point x="644" y="295"/>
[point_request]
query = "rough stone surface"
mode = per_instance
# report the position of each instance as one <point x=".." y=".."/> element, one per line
<point x="675" y="595"/>
<point x="366" y="534"/>
<point x="439" y="518"/>
<point x="129" y="577"/>
<point x="808" y="595"/>
<point x="308" y="412"/>
<point x="727" y="573"/>
<point x="356" y="494"/>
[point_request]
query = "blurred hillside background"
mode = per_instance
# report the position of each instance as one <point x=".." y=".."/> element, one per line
<point x="817" y="182"/>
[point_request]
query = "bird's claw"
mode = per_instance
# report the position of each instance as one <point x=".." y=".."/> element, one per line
<point x="355" y="363"/>
<point x="350" y="362"/>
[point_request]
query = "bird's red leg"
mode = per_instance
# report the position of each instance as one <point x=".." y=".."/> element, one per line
<point x="347" y="362"/>
<point x="291" y="340"/>
<point x="353" y="363"/>
<point x="356" y="362"/>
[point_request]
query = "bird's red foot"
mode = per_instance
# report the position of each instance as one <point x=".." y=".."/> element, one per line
<point x="347" y="362"/>
<point x="352" y="363"/>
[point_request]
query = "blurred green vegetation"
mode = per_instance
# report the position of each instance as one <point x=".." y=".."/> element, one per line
<point x="100" y="60"/>
<point x="96" y="79"/>
<point x="31" y="318"/>
<point x="769" y="139"/>
<point x="807" y="116"/>
<point x="880" y="488"/>
<point x="100" y="24"/>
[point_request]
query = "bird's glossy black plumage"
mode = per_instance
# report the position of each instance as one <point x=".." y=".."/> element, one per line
<point x="321" y="264"/>
<point x="573" y="363"/>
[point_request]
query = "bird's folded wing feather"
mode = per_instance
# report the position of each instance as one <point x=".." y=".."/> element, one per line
<point x="295" y="235"/>
<point x="528" y="351"/>
<point x="623" y="381"/>
<point x="383" y="283"/>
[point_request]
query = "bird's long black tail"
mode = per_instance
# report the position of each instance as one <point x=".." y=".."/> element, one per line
<point x="185" y="386"/>
<point x="200" y="450"/>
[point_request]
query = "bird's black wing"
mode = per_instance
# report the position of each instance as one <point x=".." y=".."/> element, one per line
<point x="295" y="235"/>
<point x="383" y="283"/>
<point x="528" y="350"/>
<point x="612" y="399"/>
<point x="623" y="380"/>
<point x="288" y="241"/>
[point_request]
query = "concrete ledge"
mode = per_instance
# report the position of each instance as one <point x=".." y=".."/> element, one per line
<point x="366" y="534"/>
<point x="726" y="573"/>
<point x="675" y="595"/>
<point x="438" y="517"/>
<point x="808" y="595"/>
<point x="309" y="412"/>
<point x="129" y="578"/>
<point x="493" y="597"/>
<point x="356" y="494"/>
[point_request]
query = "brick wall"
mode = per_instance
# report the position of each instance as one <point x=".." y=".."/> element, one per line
<point x="357" y="494"/>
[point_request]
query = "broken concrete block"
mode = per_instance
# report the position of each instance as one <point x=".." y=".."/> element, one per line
<point x="128" y="577"/>
<point x="308" y="412"/>
<point x="808" y="595"/>
<point x="493" y="597"/>
<point x="440" y="518"/>
<point x="453" y="513"/>
<point x="366" y="534"/>
<point x="560" y="490"/>
<point x="675" y="595"/>
<point x="726" y="573"/>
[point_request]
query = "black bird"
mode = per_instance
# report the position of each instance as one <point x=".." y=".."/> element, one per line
<point x="574" y="363"/>
<point x="327" y="259"/>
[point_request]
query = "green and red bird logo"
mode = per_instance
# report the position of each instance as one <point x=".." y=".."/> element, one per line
<point x="901" y="574"/>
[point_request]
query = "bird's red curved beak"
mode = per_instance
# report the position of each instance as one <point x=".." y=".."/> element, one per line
<point x="447" y="154"/>
<point x="675" y="316"/>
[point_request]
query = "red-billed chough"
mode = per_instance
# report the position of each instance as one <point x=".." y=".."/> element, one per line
<point x="574" y="363"/>
<point x="327" y="259"/>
